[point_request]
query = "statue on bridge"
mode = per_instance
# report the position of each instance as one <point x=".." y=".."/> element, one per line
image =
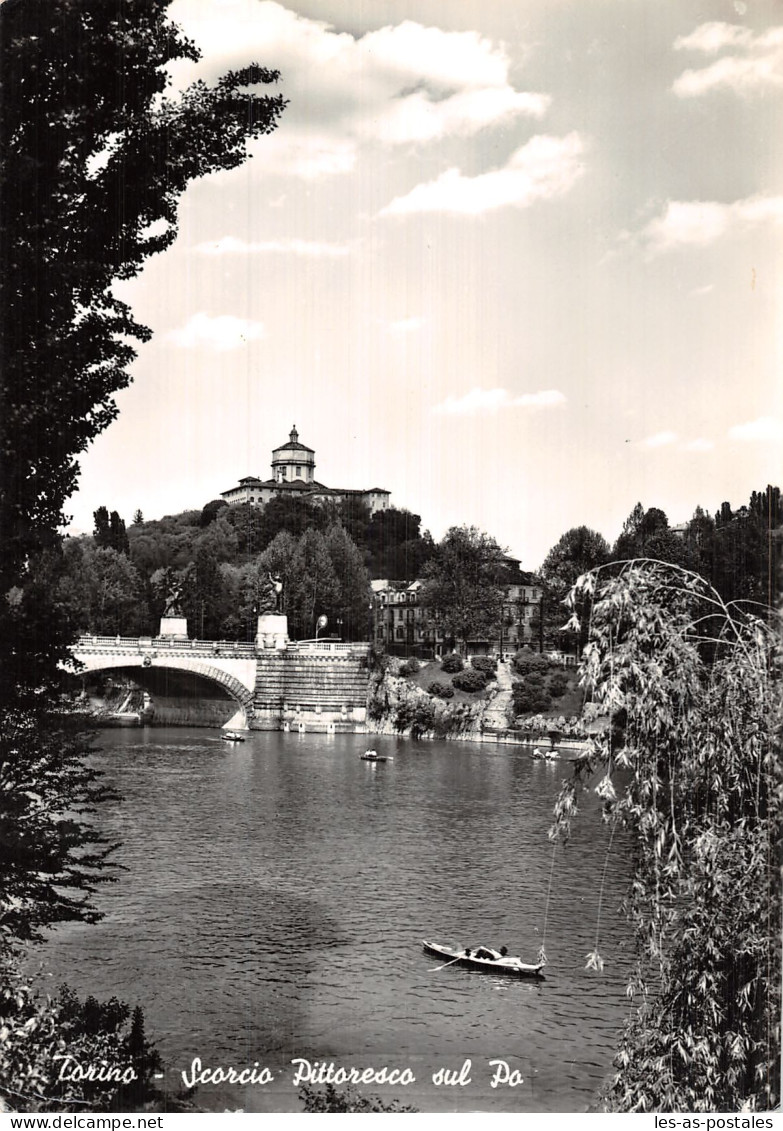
<point x="269" y="595"/>
<point x="172" y="592"/>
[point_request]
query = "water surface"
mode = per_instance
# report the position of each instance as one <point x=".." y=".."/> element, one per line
<point x="277" y="893"/>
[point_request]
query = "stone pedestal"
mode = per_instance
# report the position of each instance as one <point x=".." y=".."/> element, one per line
<point x="272" y="631"/>
<point x="175" y="628"/>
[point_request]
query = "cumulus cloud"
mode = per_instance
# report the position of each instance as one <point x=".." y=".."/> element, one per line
<point x="493" y="400"/>
<point x="764" y="428"/>
<point x="397" y="85"/>
<point x="220" y="333"/>
<point x="230" y="245"/>
<point x="659" y="440"/>
<point x="699" y="223"/>
<point x="545" y="167"/>
<point x="751" y="63"/>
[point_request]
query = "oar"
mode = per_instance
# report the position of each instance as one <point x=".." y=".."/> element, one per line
<point x="445" y="964"/>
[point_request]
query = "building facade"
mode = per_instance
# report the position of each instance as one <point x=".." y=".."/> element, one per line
<point x="293" y="473"/>
<point x="402" y="625"/>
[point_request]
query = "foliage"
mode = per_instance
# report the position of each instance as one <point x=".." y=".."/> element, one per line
<point x="110" y="531"/>
<point x="469" y="680"/>
<point x="646" y="534"/>
<point x="349" y="611"/>
<point x="38" y="1032"/>
<point x="51" y="856"/>
<point x="463" y="584"/>
<point x="397" y="548"/>
<point x="332" y="1099"/>
<point x="525" y="661"/>
<point x="211" y="510"/>
<point x="487" y="664"/>
<point x="557" y="685"/>
<point x="579" y="550"/>
<point x="692" y="766"/>
<point x="441" y="690"/>
<point x="452" y="662"/>
<point x="410" y="667"/>
<point x="530" y="699"/>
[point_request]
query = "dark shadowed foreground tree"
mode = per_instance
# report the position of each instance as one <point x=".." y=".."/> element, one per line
<point x="691" y="765"/>
<point x="94" y="157"/>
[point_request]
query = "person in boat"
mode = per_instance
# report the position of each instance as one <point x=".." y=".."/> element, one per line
<point x="487" y="952"/>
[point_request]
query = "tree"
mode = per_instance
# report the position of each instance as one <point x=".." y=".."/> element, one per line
<point x="352" y="604"/>
<point x="578" y="551"/>
<point x="646" y="534"/>
<point x="95" y="157"/>
<point x="691" y="764"/>
<point x="51" y="855"/>
<point x="463" y="584"/>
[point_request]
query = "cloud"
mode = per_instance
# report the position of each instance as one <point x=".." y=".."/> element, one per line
<point x="752" y="64"/>
<point x="230" y="245"/>
<point x="699" y="223"/>
<point x="493" y="400"/>
<point x="398" y="85"/>
<point x="658" y="440"/>
<point x="407" y="325"/>
<point x="221" y="333"/>
<point x="699" y="445"/>
<point x="765" y="428"/>
<point x="546" y="167"/>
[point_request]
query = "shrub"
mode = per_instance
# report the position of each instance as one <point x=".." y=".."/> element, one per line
<point x="486" y="664"/>
<point x="452" y="663"/>
<point x="530" y="700"/>
<point x="469" y="680"/>
<point x="410" y="667"/>
<point x="441" y="690"/>
<point x="558" y="685"/>
<point x="534" y="679"/>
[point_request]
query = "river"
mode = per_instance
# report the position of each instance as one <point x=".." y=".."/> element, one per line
<point x="277" y="892"/>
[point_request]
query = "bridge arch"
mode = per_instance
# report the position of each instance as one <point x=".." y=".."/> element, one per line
<point x="235" y="687"/>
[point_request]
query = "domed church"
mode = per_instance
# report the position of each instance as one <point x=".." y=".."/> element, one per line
<point x="293" y="472"/>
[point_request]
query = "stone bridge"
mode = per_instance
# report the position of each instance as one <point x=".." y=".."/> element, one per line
<point x="227" y="668"/>
<point x="223" y="683"/>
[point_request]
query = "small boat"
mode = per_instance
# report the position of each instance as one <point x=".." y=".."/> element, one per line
<point x="372" y="756"/>
<point x="459" y="956"/>
<point x="545" y="755"/>
<point x="232" y="736"/>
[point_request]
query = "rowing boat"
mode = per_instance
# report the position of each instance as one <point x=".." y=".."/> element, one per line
<point x="371" y="756"/>
<point x="506" y="965"/>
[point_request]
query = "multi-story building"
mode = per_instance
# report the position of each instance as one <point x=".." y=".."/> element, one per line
<point x="404" y="626"/>
<point x="293" y="473"/>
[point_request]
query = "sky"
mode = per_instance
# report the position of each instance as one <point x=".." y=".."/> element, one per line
<point x="518" y="263"/>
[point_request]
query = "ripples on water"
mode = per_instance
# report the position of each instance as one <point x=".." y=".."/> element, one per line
<point x="278" y="891"/>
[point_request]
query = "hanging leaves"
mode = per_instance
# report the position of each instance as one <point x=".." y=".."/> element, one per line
<point x="690" y="763"/>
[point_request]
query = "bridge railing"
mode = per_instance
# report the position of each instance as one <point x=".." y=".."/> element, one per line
<point x="142" y="644"/>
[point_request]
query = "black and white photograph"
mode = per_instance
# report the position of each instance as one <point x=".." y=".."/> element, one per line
<point x="391" y="531"/>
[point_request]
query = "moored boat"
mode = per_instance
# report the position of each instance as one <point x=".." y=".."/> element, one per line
<point x="232" y="736"/>
<point x="462" y="956"/>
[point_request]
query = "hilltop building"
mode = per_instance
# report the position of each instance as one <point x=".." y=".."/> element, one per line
<point x="293" y="473"/>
